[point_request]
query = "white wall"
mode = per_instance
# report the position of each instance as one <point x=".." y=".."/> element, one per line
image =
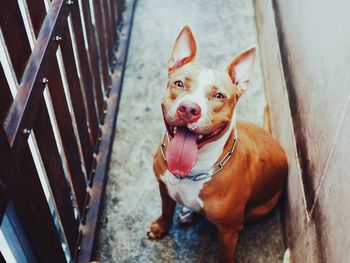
<point x="314" y="40"/>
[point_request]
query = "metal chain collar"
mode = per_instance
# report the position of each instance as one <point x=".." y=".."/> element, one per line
<point x="213" y="170"/>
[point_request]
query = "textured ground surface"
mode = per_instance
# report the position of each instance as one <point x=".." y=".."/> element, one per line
<point x="222" y="29"/>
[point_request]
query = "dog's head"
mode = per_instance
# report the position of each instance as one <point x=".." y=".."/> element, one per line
<point x="199" y="102"/>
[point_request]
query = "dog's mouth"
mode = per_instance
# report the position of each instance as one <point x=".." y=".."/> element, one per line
<point x="201" y="138"/>
<point x="185" y="141"/>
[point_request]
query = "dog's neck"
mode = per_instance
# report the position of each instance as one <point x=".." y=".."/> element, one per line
<point x="209" y="154"/>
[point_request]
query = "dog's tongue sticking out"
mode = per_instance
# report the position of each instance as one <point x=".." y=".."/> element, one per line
<point x="182" y="152"/>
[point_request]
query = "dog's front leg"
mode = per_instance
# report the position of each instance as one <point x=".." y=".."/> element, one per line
<point x="160" y="226"/>
<point x="227" y="244"/>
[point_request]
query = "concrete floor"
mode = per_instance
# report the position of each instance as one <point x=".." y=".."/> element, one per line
<point x="222" y="29"/>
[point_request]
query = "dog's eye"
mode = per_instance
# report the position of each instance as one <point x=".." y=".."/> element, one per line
<point x="220" y="96"/>
<point x="178" y="83"/>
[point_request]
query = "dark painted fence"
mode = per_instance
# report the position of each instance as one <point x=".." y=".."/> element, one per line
<point x="60" y="77"/>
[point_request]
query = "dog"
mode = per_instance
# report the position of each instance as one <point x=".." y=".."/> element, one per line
<point x="229" y="171"/>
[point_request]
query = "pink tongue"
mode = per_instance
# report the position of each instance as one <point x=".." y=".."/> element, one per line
<point x="182" y="152"/>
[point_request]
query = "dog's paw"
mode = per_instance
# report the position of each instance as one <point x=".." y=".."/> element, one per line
<point x="158" y="229"/>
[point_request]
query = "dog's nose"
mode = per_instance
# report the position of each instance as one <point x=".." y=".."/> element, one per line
<point x="189" y="111"/>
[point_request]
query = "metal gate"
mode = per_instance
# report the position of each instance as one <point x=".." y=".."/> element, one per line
<point x="62" y="64"/>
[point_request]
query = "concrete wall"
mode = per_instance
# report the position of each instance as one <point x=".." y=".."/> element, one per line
<point x="305" y="48"/>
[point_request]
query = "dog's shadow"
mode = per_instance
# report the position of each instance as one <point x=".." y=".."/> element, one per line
<point x="198" y="241"/>
<point x="194" y="242"/>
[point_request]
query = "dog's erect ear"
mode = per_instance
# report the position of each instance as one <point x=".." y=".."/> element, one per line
<point x="184" y="50"/>
<point x="241" y="68"/>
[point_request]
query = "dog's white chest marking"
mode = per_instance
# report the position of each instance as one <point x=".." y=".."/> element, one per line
<point x="185" y="191"/>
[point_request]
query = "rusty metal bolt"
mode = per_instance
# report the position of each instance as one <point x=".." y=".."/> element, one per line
<point x="57" y="38"/>
<point x="26" y="131"/>
<point x="45" y="80"/>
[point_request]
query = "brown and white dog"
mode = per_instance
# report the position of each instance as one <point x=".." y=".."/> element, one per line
<point x="230" y="172"/>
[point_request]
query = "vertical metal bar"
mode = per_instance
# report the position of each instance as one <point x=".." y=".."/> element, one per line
<point x="3" y="200"/>
<point x="77" y="99"/>
<point x="25" y="190"/>
<point x="114" y="19"/>
<point x="109" y="30"/>
<point x="16" y="237"/>
<point x="5" y="96"/>
<point x="19" y="51"/>
<point x="2" y="259"/>
<point x="93" y="55"/>
<point x="47" y="146"/>
<point x="70" y="145"/>
<point x="86" y="73"/>
<point x="37" y="13"/>
<point x="102" y="45"/>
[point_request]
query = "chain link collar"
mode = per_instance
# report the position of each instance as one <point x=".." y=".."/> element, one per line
<point x="213" y="170"/>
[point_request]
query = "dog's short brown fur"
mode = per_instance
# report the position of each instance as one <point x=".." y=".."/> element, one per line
<point x="251" y="182"/>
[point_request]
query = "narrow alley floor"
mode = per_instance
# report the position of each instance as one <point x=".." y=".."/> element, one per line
<point x="222" y="29"/>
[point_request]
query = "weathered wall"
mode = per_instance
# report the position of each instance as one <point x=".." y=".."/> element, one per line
<point x="306" y="67"/>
